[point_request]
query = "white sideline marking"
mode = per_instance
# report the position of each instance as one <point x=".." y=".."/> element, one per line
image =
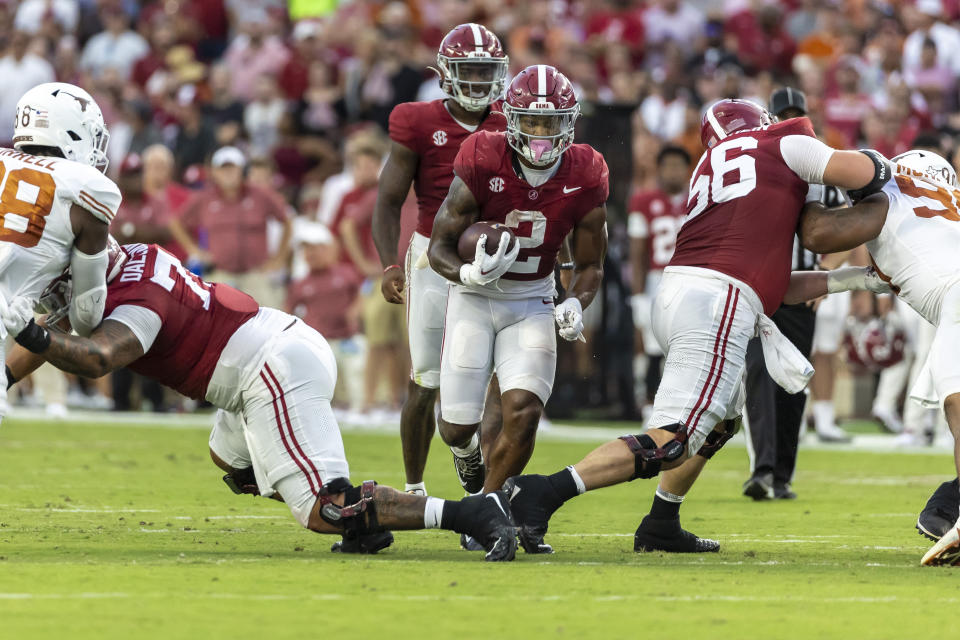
<point x="268" y="597"/>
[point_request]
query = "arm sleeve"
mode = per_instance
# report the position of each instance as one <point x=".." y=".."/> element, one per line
<point x="89" y="274"/>
<point x="807" y="157"/>
<point x="144" y="323"/>
<point x="402" y="129"/>
<point x="95" y="192"/>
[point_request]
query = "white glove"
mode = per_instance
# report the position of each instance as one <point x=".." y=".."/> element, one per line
<point x="486" y="268"/>
<point x="569" y="317"/>
<point x="856" y="279"/>
<point x="16" y="315"/>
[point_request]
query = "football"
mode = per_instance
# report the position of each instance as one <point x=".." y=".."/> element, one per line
<point x="467" y="245"/>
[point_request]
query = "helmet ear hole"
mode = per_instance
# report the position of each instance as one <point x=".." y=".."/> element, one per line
<point x="74" y="135"/>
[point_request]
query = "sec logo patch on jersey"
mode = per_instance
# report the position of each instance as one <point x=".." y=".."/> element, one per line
<point x="440" y="138"/>
<point x="496" y="184"/>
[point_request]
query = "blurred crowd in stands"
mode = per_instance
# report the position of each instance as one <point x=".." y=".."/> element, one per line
<point x="246" y="135"/>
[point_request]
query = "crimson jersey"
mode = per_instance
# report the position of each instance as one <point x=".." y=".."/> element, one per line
<point x="540" y="217"/>
<point x="657" y="217"/>
<point x="197" y="318"/>
<point x="428" y="129"/>
<point x="743" y="210"/>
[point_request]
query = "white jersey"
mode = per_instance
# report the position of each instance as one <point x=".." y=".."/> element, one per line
<point x="36" y="234"/>
<point x="917" y="249"/>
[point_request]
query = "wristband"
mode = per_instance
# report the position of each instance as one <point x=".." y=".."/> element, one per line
<point x="393" y="266"/>
<point x="567" y="266"/>
<point x="34" y="338"/>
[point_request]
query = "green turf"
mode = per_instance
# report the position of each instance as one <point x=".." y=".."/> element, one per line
<point x="128" y="532"/>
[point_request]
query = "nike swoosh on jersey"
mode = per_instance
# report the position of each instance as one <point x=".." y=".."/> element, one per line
<point x="569" y="189"/>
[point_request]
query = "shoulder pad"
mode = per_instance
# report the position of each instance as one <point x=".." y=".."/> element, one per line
<point x="89" y="189"/>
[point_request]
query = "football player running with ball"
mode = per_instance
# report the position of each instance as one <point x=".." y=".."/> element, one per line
<point x="56" y="205"/>
<point x="730" y="268"/>
<point x="500" y="312"/>
<point x="271" y="378"/>
<point x="912" y="231"/>
<point x="425" y="139"/>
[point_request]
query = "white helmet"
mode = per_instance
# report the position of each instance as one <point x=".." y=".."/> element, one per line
<point x="63" y="116"/>
<point x="929" y="165"/>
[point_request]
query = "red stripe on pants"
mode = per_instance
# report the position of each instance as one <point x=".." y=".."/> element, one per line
<point x="283" y="436"/>
<point x="713" y="364"/>
<point x="723" y="360"/>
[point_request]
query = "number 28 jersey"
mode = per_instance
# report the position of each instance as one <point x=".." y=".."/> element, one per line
<point x="185" y="322"/>
<point x="540" y="217"/>
<point x="916" y="251"/>
<point x="742" y="213"/>
<point x="36" y="234"/>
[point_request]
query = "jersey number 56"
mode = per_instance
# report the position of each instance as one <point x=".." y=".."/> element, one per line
<point x="712" y="186"/>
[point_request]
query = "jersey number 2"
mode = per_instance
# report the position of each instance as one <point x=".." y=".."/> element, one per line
<point x="538" y="231"/>
<point x="705" y="190"/>
<point x="25" y="203"/>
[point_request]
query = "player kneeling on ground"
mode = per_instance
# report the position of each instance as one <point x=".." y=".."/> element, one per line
<point x="271" y="378"/>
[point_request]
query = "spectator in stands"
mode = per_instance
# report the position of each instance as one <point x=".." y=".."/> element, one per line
<point x="263" y="115"/>
<point x="117" y="48"/>
<point x="133" y="133"/>
<point x="253" y="53"/>
<point x="328" y="300"/>
<point x="379" y="76"/>
<point x="383" y="323"/>
<point x="926" y="18"/>
<point x="33" y="15"/>
<point x="679" y="23"/>
<point x="195" y="139"/>
<point x="20" y="70"/>
<point x="223" y="110"/>
<point x="232" y="217"/>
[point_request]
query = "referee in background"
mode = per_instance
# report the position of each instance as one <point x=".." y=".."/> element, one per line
<point x="774" y="416"/>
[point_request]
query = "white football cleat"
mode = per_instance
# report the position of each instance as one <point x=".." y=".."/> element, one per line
<point x="946" y="551"/>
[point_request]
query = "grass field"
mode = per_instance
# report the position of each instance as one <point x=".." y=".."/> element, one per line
<point x="117" y="531"/>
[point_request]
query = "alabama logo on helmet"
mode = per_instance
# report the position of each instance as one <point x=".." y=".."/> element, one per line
<point x="541" y="110"/>
<point x="472" y="66"/>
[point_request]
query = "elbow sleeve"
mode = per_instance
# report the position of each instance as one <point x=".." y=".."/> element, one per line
<point x="88" y="273"/>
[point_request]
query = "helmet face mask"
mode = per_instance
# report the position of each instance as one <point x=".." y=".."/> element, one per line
<point x="928" y="164"/>
<point x="64" y="117"/>
<point x="541" y="110"/>
<point x="472" y="66"/>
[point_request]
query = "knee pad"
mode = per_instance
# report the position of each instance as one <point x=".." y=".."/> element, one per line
<point x="717" y="438"/>
<point x="242" y="481"/>
<point x="648" y="457"/>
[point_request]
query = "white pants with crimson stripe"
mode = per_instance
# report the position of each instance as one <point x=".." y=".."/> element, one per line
<point x="284" y="426"/>
<point x="703" y="321"/>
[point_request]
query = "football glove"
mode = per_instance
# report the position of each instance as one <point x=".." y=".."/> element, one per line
<point x="486" y="268"/>
<point x="569" y="317"/>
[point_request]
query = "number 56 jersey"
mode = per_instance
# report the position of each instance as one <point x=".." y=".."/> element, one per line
<point x="746" y="196"/>
<point x="36" y="234"/>
<point x="916" y="251"/>
<point x="540" y="217"/>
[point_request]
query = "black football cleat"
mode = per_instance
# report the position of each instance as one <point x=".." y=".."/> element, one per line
<point x="667" y="535"/>
<point x="470" y="471"/>
<point x="533" y="500"/>
<point x="759" y="487"/>
<point x="783" y="491"/>
<point x="366" y="544"/>
<point x="940" y="512"/>
<point x="487" y="519"/>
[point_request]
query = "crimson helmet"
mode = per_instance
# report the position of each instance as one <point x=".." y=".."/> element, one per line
<point x="55" y="299"/>
<point x="726" y="117"/>
<point x="875" y="344"/>
<point x="472" y="66"/>
<point x="541" y="110"/>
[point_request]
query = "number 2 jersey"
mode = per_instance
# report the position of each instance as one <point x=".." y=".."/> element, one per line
<point x="182" y="322"/>
<point x="746" y="196"/>
<point x="540" y="217"/>
<point x="36" y="234"/>
<point x="916" y="251"/>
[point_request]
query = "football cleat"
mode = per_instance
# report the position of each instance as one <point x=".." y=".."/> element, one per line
<point x="488" y="520"/>
<point x="469" y="543"/>
<point x="946" y="551"/>
<point x="366" y="544"/>
<point x="783" y="491"/>
<point x="667" y="535"/>
<point x="940" y="512"/>
<point x="759" y="487"/>
<point x="470" y="471"/>
<point x="533" y="500"/>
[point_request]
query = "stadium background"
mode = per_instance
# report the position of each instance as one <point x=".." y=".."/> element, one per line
<point x="305" y="88"/>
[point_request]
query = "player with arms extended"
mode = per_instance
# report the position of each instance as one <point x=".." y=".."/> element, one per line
<point x="55" y="204"/>
<point x="425" y="139"/>
<point x="731" y="266"/>
<point x="500" y="312"/>
<point x="912" y="231"/>
<point x="271" y="378"/>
